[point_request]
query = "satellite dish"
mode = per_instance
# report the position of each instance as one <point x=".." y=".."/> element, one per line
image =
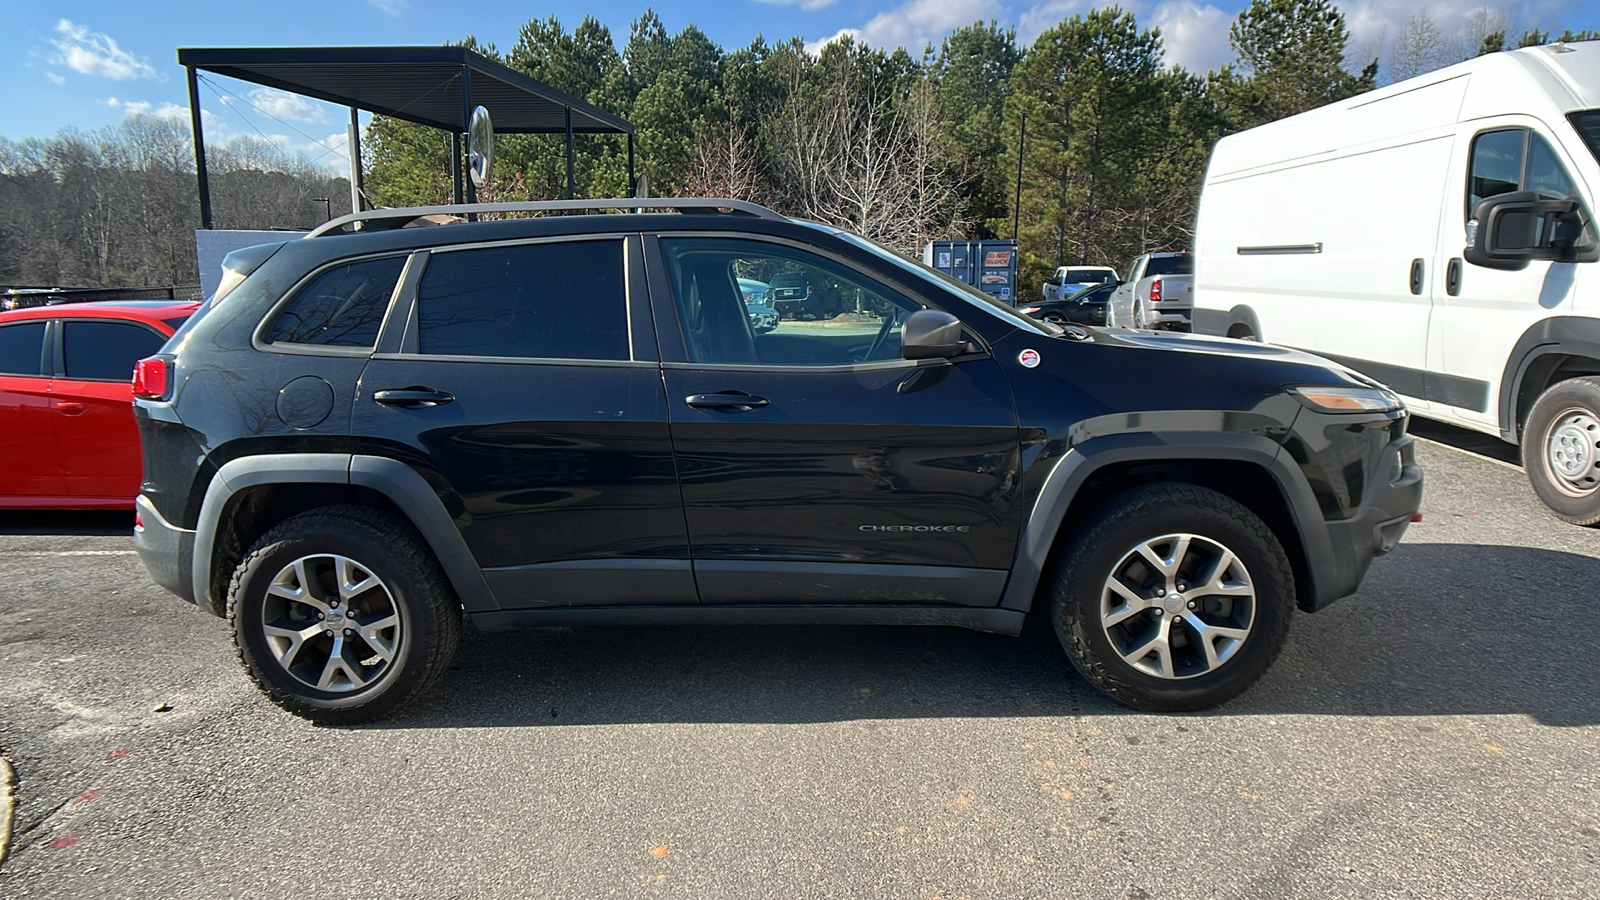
<point x="480" y="147"/>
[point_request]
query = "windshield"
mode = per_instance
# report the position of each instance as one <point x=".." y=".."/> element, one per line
<point x="1588" y="125"/>
<point x="967" y="291"/>
<point x="1170" y="265"/>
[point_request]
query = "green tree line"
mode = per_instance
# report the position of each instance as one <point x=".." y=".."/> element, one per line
<point x="908" y="148"/>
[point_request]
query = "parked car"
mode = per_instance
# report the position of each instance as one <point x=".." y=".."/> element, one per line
<point x="1441" y="239"/>
<point x="1158" y="293"/>
<point x="1069" y="280"/>
<point x="1086" y="307"/>
<point x="377" y="429"/>
<point x="790" y="287"/>
<point x="67" y="438"/>
<point x="757" y="300"/>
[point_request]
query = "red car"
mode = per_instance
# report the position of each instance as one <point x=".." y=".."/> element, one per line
<point x="67" y="438"/>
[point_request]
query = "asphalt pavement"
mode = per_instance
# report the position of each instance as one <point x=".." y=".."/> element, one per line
<point x="1436" y="735"/>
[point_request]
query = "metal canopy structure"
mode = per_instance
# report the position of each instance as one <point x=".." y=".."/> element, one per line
<point x="434" y="86"/>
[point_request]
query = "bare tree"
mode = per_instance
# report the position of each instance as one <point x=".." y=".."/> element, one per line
<point x="1420" y="47"/>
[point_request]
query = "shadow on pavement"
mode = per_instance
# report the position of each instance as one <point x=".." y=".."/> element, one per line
<point x="1438" y="629"/>
<point x="1463" y="439"/>
<point x="67" y="522"/>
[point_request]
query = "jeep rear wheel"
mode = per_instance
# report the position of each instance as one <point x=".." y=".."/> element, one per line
<point x="1172" y="597"/>
<point x="1561" y="450"/>
<point x="342" y="614"/>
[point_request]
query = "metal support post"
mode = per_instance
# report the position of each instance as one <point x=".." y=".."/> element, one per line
<point x="633" y="186"/>
<point x="455" y="168"/>
<point x="570" y="181"/>
<point x="353" y="144"/>
<point x="199" y="150"/>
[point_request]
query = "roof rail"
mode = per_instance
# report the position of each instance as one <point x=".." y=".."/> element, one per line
<point x="387" y="219"/>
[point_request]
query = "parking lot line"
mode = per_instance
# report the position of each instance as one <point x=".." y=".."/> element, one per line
<point x="72" y="553"/>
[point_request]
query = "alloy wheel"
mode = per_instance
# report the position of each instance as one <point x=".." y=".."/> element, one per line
<point x="1178" y="606"/>
<point x="331" y="623"/>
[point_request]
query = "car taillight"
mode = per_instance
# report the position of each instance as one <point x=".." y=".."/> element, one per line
<point x="150" y="378"/>
<point x="1155" y="290"/>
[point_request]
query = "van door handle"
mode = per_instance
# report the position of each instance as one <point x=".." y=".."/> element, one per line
<point x="1452" y="278"/>
<point x="413" y="398"/>
<point x="1416" y="276"/>
<point x="726" y="400"/>
<point x="70" y="409"/>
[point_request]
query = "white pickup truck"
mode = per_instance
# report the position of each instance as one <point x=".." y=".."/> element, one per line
<point x="1158" y="293"/>
<point x="1069" y="280"/>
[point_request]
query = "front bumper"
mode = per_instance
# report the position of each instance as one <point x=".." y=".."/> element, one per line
<point x="166" y="550"/>
<point x="1374" y="529"/>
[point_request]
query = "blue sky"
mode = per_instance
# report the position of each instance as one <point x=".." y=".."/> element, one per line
<point x="88" y="63"/>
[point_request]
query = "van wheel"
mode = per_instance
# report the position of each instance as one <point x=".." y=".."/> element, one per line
<point x="342" y="614"/>
<point x="1561" y="449"/>
<point x="1172" y="597"/>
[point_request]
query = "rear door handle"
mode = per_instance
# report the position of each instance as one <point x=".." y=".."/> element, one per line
<point x="726" y="400"/>
<point x="70" y="409"/>
<point x="413" y="398"/>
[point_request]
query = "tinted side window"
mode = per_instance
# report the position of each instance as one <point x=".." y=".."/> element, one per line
<point x="22" y="348"/>
<point x="539" y="301"/>
<point x="1496" y="165"/>
<point x="862" y="318"/>
<point x="342" y="307"/>
<point x="106" y="351"/>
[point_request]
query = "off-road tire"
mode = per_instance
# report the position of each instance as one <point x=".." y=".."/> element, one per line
<point x="1564" y="401"/>
<point x="1103" y="540"/>
<point x="392" y="550"/>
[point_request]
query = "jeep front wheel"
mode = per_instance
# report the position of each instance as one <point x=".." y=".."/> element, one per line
<point x="341" y="614"/>
<point x="1172" y="597"/>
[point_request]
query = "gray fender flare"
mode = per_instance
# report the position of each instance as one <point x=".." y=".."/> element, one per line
<point x="407" y="489"/>
<point x="1072" y="469"/>
<point x="1219" y="322"/>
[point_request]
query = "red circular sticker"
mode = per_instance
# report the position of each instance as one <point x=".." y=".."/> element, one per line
<point x="1029" y="358"/>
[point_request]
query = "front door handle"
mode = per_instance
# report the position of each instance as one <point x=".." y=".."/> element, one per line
<point x="726" y="400"/>
<point x="1452" y="278"/>
<point x="70" y="409"/>
<point x="412" y="398"/>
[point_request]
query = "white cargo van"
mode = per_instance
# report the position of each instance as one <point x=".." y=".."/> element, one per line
<point x="1438" y="236"/>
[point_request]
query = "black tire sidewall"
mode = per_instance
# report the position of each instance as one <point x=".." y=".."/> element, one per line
<point x="1583" y="393"/>
<point x="374" y="553"/>
<point x="1102" y="547"/>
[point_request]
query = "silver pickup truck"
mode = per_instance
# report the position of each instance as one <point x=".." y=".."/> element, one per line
<point x="1158" y="293"/>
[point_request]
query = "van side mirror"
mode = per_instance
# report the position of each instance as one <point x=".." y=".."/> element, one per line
<point x="1508" y="230"/>
<point x="931" y="334"/>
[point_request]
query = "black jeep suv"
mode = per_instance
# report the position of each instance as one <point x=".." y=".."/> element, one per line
<point x="568" y="420"/>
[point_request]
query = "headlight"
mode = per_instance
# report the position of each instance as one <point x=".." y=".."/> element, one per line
<point x="1347" y="399"/>
<point x="1030" y="310"/>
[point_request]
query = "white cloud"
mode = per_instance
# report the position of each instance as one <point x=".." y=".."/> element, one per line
<point x="807" y="5"/>
<point x="915" y="23"/>
<point x="1045" y="16"/>
<point x="284" y="105"/>
<point x="1195" y="36"/>
<point x="391" y="7"/>
<point x="94" y="53"/>
<point x="55" y="79"/>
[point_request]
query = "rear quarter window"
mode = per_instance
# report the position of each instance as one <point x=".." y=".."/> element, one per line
<point x="342" y="307"/>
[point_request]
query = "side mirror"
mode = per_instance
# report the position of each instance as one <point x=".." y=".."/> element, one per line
<point x="1508" y="230"/>
<point x="931" y="334"/>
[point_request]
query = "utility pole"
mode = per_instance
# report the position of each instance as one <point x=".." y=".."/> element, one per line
<point x="1016" y="207"/>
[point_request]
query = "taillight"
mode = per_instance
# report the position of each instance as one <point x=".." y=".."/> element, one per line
<point x="150" y="378"/>
<point x="1155" y="290"/>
